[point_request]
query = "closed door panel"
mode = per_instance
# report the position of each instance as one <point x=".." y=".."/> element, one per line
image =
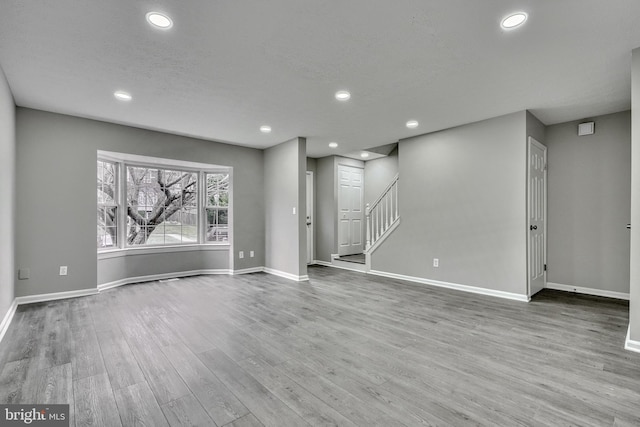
<point x="537" y="201"/>
<point x="350" y="210"/>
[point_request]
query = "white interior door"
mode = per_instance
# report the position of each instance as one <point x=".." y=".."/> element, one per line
<point x="537" y="216"/>
<point x="350" y="210"/>
<point x="310" y="254"/>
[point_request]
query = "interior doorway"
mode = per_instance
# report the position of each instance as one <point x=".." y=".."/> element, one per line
<point x="536" y="216"/>
<point x="310" y="218"/>
<point x="350" y="210"/>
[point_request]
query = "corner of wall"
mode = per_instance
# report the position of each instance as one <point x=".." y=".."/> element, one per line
<point x="8" y="193"/>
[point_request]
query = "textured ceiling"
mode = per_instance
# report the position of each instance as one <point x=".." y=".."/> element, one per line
<point x="228" y="66"/>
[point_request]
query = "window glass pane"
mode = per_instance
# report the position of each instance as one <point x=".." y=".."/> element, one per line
<point x="107" y="229"/>
<point x="217" y="225"/>
<point x="189" y="225"/>
<point x="217" y="189"/>
<point x="163" y="203"/>
<point x="106" y="183"/>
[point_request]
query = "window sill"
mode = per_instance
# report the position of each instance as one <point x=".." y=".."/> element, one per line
<point x="117" y="253"/>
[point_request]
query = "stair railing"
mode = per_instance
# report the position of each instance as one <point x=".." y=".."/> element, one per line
<point x="382" y="214"/>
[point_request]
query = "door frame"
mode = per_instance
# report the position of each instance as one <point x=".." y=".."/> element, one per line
<point x="530" y="142"/>
<point x="337" y="204"/>
<point x="311" y="218"/>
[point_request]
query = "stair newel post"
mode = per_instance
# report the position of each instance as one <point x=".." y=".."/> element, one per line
<point x="368" y="216"/>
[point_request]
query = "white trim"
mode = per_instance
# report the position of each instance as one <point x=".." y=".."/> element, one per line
<point x="630" y="344"/>
<point x="149" y="250"/>
<point x="154" y="277"/>
<point x="248" y="270"/>
<point x="456" y="286"/>
<point x="587" y="291"/>
<point x="150" y="161"/>
<point x="340" y="266"/>
<point x="30" y="299"/>
<point x="286" y="275"/>
<point x="346" y="265"/>
<point x="324" y="263"/>
<point x="4" y="326"/>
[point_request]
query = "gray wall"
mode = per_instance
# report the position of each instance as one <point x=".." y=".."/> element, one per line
<point x="462" y="200"/>
<point x="7" y="194"/>
<point x="325" y="209"/>
<point x="138" y="265"/>
<point x="634" y="283"/>
<point x="284" y="189"/>
<point x="589" y="182"/>
<point x="56" y="196"/>
<point x="535" y="128"/>
<point x="378" y="174"/>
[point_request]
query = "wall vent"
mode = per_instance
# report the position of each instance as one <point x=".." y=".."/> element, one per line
<point x="587" y="128"/>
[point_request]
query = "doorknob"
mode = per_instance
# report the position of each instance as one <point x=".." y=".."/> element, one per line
<point x="533" y="227"/>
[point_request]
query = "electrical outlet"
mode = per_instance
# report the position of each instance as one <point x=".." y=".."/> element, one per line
<point x="24" y="274"/>
<point x="294" y="210"/>
<point x="241" y="254"/>
<point x="63" y="270"/>
<point x="251" y="254"/>
<point x="436" y="262"/>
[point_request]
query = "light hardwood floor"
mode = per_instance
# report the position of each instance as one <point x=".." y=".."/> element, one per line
<point x="342" y="349"/>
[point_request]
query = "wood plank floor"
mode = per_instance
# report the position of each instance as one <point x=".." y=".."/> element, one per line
<point x="342" y="349"/>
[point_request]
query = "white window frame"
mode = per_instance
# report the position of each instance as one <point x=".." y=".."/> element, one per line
<point x="123" y="161"/>
<point x="116" y="203"/>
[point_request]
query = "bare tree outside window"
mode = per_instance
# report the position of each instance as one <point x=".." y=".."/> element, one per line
<point x="217" y="207"/>
<point x="161" y="206"/>
<point x="107" y="205"/>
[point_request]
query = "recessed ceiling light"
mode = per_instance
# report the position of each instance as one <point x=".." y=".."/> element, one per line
<point x="412" y="124"/>
<point x="514" y="20"/>
<point x="333" y="144"/>
<point x="159" y="20"/>
<point x="343" y="95"/>
<point x="364" y="155"/>
<point x="265" y="129"/>
<point x="122" y="95"/>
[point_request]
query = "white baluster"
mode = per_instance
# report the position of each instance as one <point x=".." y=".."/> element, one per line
<point x="395" y="185"/>
<point x="368" y="215"/>
<point x="387" y="199"/>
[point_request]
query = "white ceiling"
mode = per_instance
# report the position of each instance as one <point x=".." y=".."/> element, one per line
<point x="228" y="66"/>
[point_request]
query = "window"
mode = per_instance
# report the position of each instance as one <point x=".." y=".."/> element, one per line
<point x="107" y="205"/>
<point x="161" y="205"/>
<point x="217" y="207"/>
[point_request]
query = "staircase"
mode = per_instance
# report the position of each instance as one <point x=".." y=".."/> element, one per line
<point x="382" y="217"/>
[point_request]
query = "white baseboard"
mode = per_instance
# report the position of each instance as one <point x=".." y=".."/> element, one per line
<point x="456" y="286"/>
<point x="629" y="344"/>
<point x="286" y="275"/>
<point x="249" y="270"/>
<point x="7" y="319"/>
<point x="154" y="277"/>
<point x="351" y="266"/>
<point x="587" y="291"/>
<point x="55" y="296"/>
<point x="324" y="263"/>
